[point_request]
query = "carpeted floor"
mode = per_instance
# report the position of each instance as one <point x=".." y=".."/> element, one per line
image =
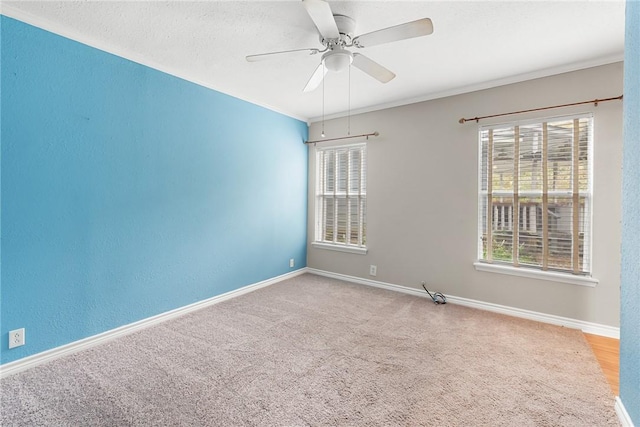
<point x="317" y="351"/>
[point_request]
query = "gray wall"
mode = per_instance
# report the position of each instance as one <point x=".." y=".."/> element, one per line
<point x="422" y="195"/>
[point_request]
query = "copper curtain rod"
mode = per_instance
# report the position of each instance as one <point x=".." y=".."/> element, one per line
<point x="367" y="135"/>
<point x="595" y="102"/>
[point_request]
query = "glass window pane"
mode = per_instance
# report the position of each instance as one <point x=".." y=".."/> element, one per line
<point x="502" y="228"/>
<point x="584" y="255"/>
<point x="583" y="156"/>
<point x="484" y="162"/>
<point x="503" y="164"/>
<point x="560" y="155"/>
<point x="329" y="171"/>
<point x="354" y="219"/>
<point x="482" y="218"/>
<point x="560" y="220"/>
<point x="363" y="172"/>
<point x="341" y="220"/>
<point x="354" y="171"/>
<point x="363" y="214"/>
<point x="329" y="215"/>
<point x="341" y="171"/>
<point x="530" y="250"/>
<point x="530" y="159"/>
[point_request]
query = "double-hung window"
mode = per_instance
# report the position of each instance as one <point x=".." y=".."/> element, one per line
<point x="341" y="198"/>
<point x="535" y="194"/>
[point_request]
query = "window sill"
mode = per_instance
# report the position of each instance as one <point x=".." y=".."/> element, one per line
<point x="537" y="274"/>
<point x="340" y="248"/>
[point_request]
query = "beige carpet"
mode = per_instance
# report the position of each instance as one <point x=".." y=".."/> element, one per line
<point x="316" y="351"/>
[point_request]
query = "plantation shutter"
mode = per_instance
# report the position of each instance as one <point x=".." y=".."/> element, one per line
<point x="341" y="195"/>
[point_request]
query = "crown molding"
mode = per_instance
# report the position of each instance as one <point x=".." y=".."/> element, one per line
<point x="546" y="72"/>
<point x="64" y="31"/>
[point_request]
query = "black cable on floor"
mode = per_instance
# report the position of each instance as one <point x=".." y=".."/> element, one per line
<point x="437" y="297"/>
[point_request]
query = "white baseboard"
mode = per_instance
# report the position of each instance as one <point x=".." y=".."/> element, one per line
<point x="588" y="327"/>
<point x="85" y="343"/>
<point x="46" y="356"/>
<point x="623" y="415"/>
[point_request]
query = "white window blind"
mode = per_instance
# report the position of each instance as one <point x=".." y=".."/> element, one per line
<point x="341" y="195"/>
<point x="535" y="194"/>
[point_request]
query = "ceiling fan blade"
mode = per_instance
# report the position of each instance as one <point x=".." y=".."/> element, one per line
<point x="263" y="56"/>
<point x="421" y="27"/>
<point x="321" y="15"/>
<point x="316" y="78"/>
<point x="372" y="68"/>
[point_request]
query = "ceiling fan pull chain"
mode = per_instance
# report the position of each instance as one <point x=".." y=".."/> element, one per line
<point x="322" y="134"/>
<point x="349" y="106"/>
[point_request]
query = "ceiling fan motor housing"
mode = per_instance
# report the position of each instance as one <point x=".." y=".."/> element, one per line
<point x="346" y="27"/>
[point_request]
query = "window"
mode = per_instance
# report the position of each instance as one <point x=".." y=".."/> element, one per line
<point x="341" y="197"/>
<point x="535" y="194"/>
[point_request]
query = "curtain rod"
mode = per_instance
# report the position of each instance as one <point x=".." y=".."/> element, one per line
<point x="367" y="135"/>
<point x="594" y="101"/>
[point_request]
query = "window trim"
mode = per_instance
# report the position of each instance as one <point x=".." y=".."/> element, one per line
<point x="531" y="271"/>
<point x="360" y="250"/>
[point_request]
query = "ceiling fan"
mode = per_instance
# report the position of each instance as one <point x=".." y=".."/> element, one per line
<point x="336" y="35"/>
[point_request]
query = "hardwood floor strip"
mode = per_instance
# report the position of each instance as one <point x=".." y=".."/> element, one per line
<point x="607" y="352"/>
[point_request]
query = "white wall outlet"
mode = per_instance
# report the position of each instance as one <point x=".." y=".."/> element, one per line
<point x="16" y="338"/>
<point x="291" y="263"/>
<point x="373" y="270"/>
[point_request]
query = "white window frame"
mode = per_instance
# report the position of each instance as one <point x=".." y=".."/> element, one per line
<point x="532" y="271"/>
<point x="323" y="194"/>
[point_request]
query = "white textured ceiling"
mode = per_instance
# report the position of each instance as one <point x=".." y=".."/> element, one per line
<point x="475" y="44"/>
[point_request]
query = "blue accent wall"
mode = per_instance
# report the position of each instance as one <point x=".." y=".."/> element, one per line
<point x="630" y="284"/>
<point x="127" y="192"/>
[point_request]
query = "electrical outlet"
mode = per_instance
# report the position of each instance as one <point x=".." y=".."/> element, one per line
<point x="16" y="338"/>
<point x="291" y="263"/>
<point x="373" y="270"/>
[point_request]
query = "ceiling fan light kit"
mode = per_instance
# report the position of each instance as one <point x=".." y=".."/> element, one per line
<point x="337" y="60"/>
<point x="336" y="35"/>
